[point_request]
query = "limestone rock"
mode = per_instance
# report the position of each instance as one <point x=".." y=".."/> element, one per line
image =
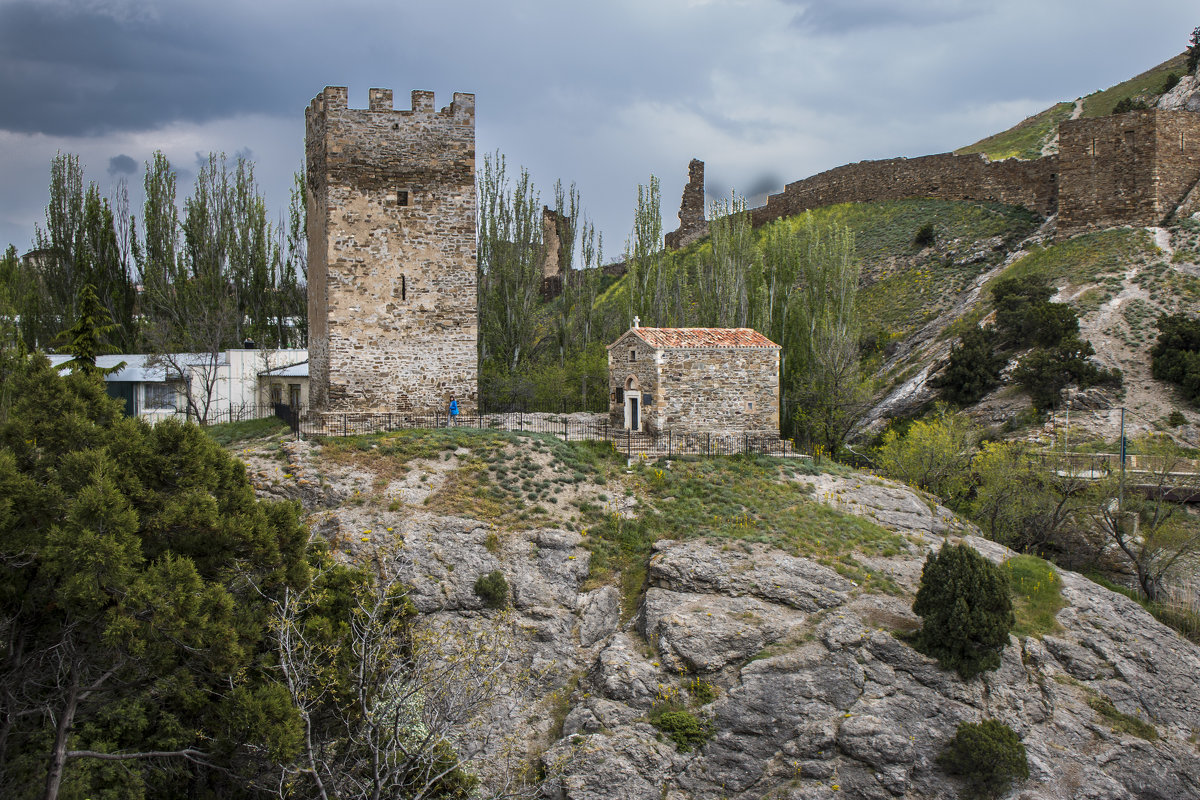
<point x="703" y="633"/>
<point x="762" y="572"/>
<point x="600" y="613"/>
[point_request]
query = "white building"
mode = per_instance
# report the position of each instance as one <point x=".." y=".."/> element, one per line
<point x="238" y="384"/>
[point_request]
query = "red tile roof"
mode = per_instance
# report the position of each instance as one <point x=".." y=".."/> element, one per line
<point x="669" y="338"/>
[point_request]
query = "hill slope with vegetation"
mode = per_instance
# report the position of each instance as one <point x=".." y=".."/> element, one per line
<point x="735" y="627"/>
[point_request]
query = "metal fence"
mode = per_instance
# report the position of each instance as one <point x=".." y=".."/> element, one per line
<point x="246" y="411"/>
<point x="575" y="427"/>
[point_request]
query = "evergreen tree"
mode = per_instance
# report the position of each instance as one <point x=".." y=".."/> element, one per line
<point x="1193" y="51"/>
<point x="1175" y="357"/>
<point x="987" y="756"/>
<point x="965" y="608"/>
<point x="90" y="334"/>
<point x="133" y="650"/>
<point x="973" y="369"/>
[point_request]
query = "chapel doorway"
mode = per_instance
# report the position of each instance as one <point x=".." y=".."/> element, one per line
<point x="633" y="417"/>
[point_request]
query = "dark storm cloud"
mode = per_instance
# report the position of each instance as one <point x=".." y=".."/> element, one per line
<point x="122" y="165"/>
<point x="80" y="71"/>
<point x="847" y="16"/>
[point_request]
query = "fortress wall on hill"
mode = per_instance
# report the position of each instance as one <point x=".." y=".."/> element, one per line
<point x="1126" y="169"/>
<point x="946" y="176"/>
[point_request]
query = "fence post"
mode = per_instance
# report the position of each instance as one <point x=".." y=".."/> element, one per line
<point x="566" y="434"/>
<point x="670" y="443"/>
<point x="708" y="444"/>
<point x="344" y="425"/>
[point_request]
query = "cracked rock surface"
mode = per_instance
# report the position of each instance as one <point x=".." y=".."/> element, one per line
<point x="816" y="693"/>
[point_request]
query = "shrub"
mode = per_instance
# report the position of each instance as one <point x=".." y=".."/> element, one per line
<point x="1193" y="51"/>
<point x="987" y="756"/>
<point x="1046" y="371"/>
<point x="492" y="589"/>
<point x="683" y="727"/>
<point x="966" y="610"/>
<point x="1175" y="357"/>
<point x="925" y="235"/>
<point x="974" y="368"/>
<point x="1129" y="104"/>
<point x="1175" y="419"/>
<point x="932" y="454"/>
<point x="1171" y="82"/>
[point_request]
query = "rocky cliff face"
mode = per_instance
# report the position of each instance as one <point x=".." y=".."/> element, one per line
<point x="814" y="692"/>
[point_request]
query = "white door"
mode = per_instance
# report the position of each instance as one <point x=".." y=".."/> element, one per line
<point x="633" y="419"/>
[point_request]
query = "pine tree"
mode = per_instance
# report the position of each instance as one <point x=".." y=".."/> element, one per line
<point x="966" y="610"/>
<point x="132" y="646"/>
<point x="89" y="336"/>
<point x="973" y="369"/>
<point x="1193" y="51"/>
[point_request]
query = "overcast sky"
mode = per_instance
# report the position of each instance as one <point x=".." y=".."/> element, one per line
<point x="603" y="93"/>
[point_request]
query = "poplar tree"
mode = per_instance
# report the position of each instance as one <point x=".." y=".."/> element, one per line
<point x="510" y="257"/>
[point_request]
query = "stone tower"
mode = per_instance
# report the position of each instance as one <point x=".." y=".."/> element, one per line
<point x="391" y="253"/>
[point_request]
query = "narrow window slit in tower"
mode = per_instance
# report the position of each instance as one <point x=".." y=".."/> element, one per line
<point x="403" y="288"/>
<point x="402" y="197"/>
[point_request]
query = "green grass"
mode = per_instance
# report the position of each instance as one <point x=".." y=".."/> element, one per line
<point x="901" y="294"/>
<point x="1146" y="86"/>
<point x="1170" y="288"/>
<point x="226" y="433"/>
<point x="750" y="500"/>
<point x="1025" y="139"/>
<point x="1087" y="258"/>
<point x="497" y="479"/>
<point x="1120" y="721"/>
<point x="1036" y="590"/>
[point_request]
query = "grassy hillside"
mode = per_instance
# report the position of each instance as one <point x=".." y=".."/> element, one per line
<point x="1147" y="87"/>
<point x="1026" y="138"/>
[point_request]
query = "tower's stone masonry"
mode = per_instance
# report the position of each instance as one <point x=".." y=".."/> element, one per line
<point x="692" y="225"/>
<point x="391" y="242"/>
<point x="1125" y="169"/>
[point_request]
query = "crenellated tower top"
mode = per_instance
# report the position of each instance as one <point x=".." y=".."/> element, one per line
<point x="336" y="98"/>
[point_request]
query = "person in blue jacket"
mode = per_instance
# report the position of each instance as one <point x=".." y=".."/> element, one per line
<point x="453" y="419"/>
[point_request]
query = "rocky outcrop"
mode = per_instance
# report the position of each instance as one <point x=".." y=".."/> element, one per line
<point x="813" y="690"/>
<point x="848" y="709"/>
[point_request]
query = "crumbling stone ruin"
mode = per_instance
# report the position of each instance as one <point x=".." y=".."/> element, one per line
<point x="391" y="243"/>
<point x="692" y="224"/>
<point x="1136" y="168"/>
<point x="555" y="259"/>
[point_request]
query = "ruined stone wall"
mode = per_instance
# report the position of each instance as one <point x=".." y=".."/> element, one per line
<point x="1126" y="169"/>
<point x="692" y="224"/>
<point x="734" y="389"/>
<point x="391" y="227"/>
<point x="552" y="242"/>
<point x="1032" y="184"/>
<point x="1107" y="168"/>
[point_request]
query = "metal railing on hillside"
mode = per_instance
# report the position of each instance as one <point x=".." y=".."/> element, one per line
<point x="568" y="427"/>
